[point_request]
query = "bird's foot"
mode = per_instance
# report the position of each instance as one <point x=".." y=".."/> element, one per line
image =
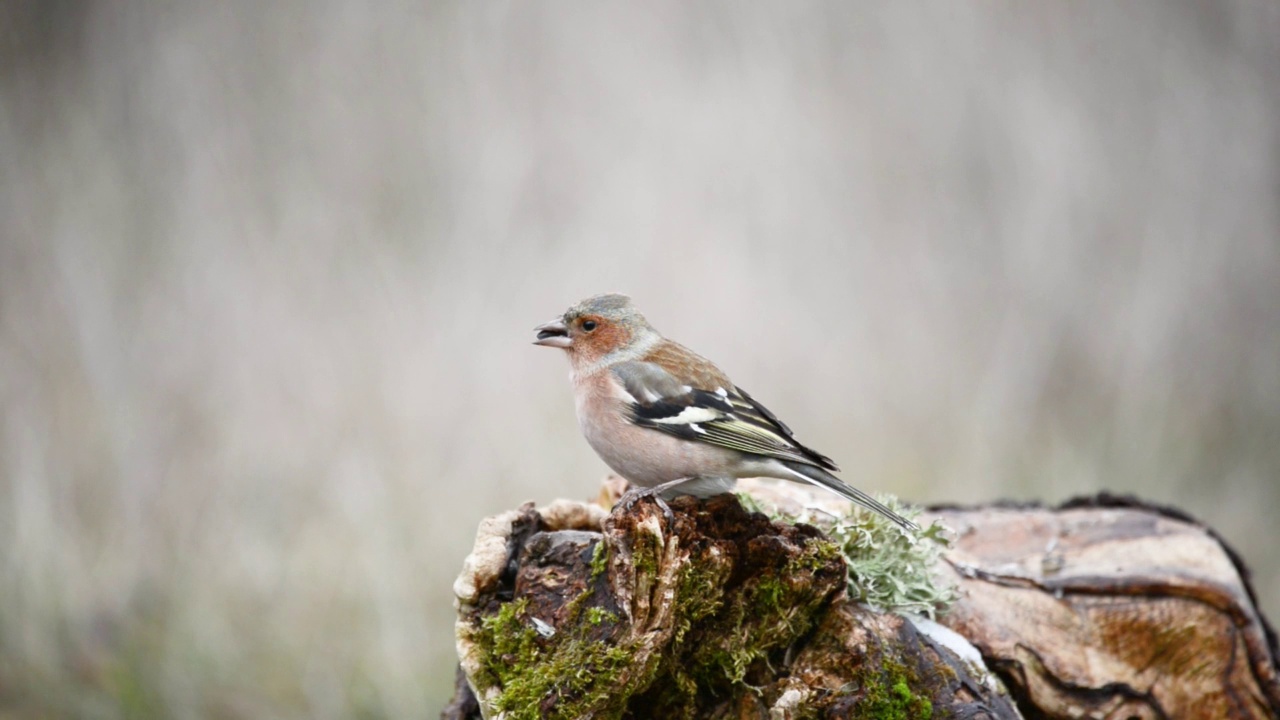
<point x="630" y="497"/>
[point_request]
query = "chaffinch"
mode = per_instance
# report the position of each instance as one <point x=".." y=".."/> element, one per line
<point x="666" y="418"/>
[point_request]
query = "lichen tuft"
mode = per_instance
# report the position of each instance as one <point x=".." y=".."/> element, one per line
<point x="889" y="568"/>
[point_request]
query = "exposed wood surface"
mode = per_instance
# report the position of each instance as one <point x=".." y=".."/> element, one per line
<point x="1111" y="609"/>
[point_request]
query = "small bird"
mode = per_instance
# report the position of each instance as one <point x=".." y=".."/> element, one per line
<point x="669" y="420"/>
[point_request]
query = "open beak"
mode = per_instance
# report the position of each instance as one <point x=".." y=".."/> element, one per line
<point x="553" y="334"/>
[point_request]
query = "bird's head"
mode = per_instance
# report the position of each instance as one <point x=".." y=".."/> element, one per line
<point x="595" y="327"/>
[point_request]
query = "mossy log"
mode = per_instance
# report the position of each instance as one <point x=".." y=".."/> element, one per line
<point x="1093" y="611"/>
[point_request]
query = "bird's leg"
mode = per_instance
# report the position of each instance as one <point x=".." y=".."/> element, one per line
<point x="630" y="497"/>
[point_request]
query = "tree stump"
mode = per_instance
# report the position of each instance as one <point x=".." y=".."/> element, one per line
<point x="1102" y="609"/>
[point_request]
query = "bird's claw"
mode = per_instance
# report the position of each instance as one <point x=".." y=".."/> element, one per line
<point x="635" y="494"/>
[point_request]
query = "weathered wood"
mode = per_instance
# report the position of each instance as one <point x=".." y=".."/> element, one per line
<point x="1111" y="609"/>
<point x="1098" y="609"/>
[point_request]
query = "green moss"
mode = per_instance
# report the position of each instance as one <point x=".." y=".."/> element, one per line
<point x="887" y="695"/>
<point x="598" y="615"/>
<point x="721" y="637"/>
<point x="599" y="559"/>
<point x="700" y="592"/>
<point x="580" y="670"/>
<point x="579" y="675"/>
<point x="555" y="677"/>
<point x="644" y="554"/>
<point x="508" y="641"/>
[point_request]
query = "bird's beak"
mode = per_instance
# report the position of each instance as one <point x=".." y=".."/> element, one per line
<point x="553" y="334"/>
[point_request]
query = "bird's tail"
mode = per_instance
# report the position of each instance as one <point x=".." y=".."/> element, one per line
<point x="824" y="479"/>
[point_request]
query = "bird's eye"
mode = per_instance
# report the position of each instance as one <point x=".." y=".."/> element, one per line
<point x="589" y="325"/>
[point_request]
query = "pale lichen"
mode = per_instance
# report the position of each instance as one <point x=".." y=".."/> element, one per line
<point x="889" y="568"/>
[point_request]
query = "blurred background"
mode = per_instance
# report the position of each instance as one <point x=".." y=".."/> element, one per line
<point x="268" y="274"/>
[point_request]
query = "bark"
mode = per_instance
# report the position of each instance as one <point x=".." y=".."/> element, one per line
<point x="1082" y="611"/>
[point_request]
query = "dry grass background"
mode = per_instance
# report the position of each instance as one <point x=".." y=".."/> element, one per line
<point x="268" y="274"/>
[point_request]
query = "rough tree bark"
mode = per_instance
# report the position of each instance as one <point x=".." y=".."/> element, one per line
<point x="1102" y="608"/>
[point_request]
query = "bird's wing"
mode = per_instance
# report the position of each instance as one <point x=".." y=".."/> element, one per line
<point x="721" y="414"/>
